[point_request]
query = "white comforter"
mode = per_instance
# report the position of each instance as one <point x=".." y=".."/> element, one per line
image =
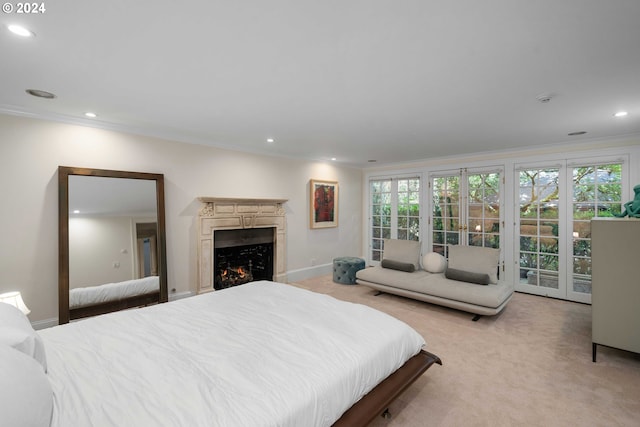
<point x="260" y="354"/>
<point x="80" y="297"/>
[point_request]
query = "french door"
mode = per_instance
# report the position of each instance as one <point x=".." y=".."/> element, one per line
<point x="466" y="209"/>
<point x="553" y="225"/>
<point x="395" y="212"/>
<point x="542" y="264"/>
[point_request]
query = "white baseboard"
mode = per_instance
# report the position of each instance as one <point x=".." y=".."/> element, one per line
<point x="180" y="295"/>
<point x="46" y="323"/>
<point x="309" y="272"/>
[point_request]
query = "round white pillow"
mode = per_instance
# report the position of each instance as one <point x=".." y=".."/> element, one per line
<point x="433" y="262"/>
<point x="26" y="397"/>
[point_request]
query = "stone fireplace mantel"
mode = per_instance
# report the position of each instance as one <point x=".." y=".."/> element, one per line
<point x="219" y="213"/>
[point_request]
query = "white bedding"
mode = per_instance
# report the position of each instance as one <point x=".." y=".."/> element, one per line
<point x="81" y="297"/>
<point x="260" y="354"/>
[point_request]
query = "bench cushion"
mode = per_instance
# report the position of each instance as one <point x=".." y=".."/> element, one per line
<point x="438" y="285"/>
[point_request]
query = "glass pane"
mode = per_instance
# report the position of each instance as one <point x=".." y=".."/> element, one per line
<point x="529" y="244"/>
<point x="597" y="191"/>
<point x="438" y="249"/>
<point x="582" y="247"/>
<point x="582" y="265"/>
<point x="549" y="245"/>
<point x="529" y="228"/>
<point x="549" y="262"/>
<point x="452" y="224"/>
<point x="549" y="228"/>
<point x="539" y="227"/>
<point x="582" y="284"/>
<point x="548" y="280"/>
<point x="492" y="241"/>
<point x="529" y="260"/>
<point x="452" y="238"/>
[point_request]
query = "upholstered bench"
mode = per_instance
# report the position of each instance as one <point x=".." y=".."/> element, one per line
<point x="345" y="269"/>
<point x="467" y="281"/>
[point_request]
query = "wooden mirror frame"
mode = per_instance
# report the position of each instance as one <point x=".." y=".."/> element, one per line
<point x="64" y="314"/>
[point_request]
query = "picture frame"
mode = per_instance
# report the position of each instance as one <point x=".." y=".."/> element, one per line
<point x="323" y="204"/>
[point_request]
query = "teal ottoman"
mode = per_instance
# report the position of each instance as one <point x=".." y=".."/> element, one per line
<point x="345" y="268"/>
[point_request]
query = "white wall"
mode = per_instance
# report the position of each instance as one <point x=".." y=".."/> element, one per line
<point x="101" y="250"/>
<point x="31" y="151"/>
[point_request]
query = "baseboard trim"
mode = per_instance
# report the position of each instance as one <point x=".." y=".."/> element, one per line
<point x="309" y="272"/>
<point x="180" y="295"/>
<point x="45" y="323"/>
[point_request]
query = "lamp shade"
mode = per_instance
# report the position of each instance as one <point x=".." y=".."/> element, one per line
<point x="15" y="299"/>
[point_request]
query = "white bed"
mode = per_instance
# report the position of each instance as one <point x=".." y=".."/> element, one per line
<point x="91" y="295"/>
<point x="260" y="354"/>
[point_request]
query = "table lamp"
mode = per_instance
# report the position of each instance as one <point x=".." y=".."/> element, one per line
<point x="15" y="299"/>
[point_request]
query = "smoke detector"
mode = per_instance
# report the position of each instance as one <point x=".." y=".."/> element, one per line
<point x="544" y="97"/>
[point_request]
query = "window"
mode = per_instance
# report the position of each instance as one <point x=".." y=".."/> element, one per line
<point x="553" y="230"/>
<point x="597" y="192"/>
<point x="395" y="212"/>
<point x="466" y="210"/>
<point x="539" y="227"/>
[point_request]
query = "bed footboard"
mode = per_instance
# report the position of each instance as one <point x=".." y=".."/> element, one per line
<point x="378" y="400"/>
<point x="111" y="306"/>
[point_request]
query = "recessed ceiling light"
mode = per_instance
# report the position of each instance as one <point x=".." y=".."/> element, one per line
<point x="621" y="114"/>
<point x="270" y="140"/>
<point x="76" y="211"/>
<point x="90" y="114"/>
<point x="19" y="30"/>
<point x="581" y="132"/>
<point x="40" y="93"/>
<point x="333" y="159"/>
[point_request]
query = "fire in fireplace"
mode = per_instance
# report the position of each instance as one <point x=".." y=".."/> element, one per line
<point x="242" y="255"/>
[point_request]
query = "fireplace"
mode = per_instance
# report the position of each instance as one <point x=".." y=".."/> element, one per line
<point x="245" y="237"/>
<point x="242" y="255"/>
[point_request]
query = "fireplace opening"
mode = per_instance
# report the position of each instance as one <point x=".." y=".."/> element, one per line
<point x="243" y="255"/>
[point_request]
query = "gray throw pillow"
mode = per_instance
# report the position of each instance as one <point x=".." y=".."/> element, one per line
<point x="397" y="265"/>
<point x="467" y="276"/>
<point x="402" y="251"/>
<point x="475" y="259"/>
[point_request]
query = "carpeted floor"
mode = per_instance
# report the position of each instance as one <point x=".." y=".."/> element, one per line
<point x="529" y="366"/>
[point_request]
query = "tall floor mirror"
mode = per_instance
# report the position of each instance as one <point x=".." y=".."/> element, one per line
<point x="112" y="247"/>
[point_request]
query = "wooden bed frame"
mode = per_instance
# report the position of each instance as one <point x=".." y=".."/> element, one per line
<point x="115" y="305"/>
<point x="377" y="401"/>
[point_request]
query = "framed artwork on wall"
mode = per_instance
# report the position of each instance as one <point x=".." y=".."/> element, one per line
<point x="323" y="206"/>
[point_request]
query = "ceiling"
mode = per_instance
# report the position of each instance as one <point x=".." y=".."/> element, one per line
<point x="359" y="80"/>
<point x="103" y="196"/>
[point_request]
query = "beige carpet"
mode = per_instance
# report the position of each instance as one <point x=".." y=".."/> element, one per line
<point x="529" y="366"/>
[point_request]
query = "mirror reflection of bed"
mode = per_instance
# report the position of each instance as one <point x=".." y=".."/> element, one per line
<point x="112" y="236"/>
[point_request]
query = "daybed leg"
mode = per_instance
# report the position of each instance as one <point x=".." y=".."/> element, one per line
<point x="378" y="293"/>
<point x="476" y="317"/>
<point x="386" y="414"/>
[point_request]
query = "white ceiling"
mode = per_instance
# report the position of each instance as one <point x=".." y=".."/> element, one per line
<point x="358" y="80"/>
<point x="102" y="196"/>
